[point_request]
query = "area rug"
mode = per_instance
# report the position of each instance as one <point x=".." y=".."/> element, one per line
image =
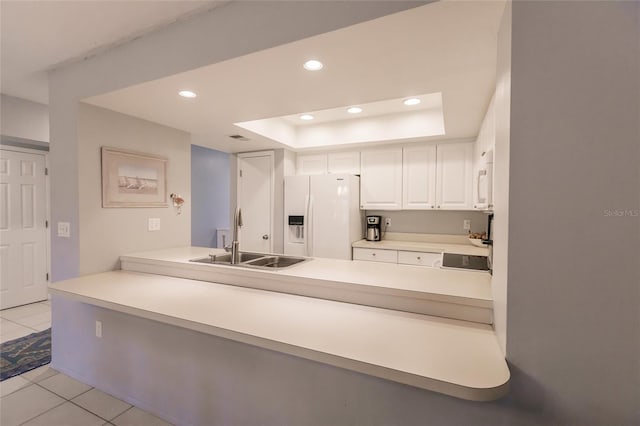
<point x="25" y="353"/>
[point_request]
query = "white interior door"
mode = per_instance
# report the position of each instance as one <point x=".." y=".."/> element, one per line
<point x="23" y="233"/>
<point x="255" y="198"/>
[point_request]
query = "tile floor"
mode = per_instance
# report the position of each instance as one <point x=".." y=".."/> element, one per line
<point x="45" y="397"/>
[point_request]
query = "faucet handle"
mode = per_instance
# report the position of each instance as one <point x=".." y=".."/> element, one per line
<point x="227" y="248"/>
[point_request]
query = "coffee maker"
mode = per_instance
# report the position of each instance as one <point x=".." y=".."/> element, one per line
<point x="373" y="228"/>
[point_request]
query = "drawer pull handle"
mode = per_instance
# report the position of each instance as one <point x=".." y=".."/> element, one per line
<point x="373" y="254"/>
<point x="418" y="258"/>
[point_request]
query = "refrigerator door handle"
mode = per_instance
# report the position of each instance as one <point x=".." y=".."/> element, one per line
<point x="305" y="236"/>
<point x="309" y="239"/>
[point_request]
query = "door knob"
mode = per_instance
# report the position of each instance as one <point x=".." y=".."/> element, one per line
<point x="265" y="237"/>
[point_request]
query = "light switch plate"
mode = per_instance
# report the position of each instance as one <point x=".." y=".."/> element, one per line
<point x="64" y="229"/>
<point x="154" y="224"/>
<point x="467" y="224"/>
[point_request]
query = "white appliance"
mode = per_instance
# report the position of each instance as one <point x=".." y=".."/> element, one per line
<point x="484" y="182"/>
<point x="322" y="215"/>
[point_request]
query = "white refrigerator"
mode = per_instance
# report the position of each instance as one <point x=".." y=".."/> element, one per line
<point x="322" y="216"/>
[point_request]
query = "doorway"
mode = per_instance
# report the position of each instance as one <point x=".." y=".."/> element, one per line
<point x="23" y="227"/>
<point x="255" y="198"/>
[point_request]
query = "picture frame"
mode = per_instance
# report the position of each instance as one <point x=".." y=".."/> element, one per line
<point x="133" y="179"/>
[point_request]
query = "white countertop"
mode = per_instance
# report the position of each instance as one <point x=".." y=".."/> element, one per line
<point x="462" y="247"/>
<point x="462" y="287"/>
<point x="457" y="358"/>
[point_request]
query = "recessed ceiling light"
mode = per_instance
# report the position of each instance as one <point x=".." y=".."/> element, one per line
<point x="313" y="65"/>
<point x="306" y="117"/>
<point x="354" y="110"/>
<point x="187" y="94"/>
<point x="412" y="101"/>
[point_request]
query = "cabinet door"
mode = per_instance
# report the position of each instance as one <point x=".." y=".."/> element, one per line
<point x="344" y="162"/>
<point x="381" y="179"/>
<point x="311" y="164"/>
<point x="419" y="177"/>
<point x="454" y="188"/>
<point x="431" y="260"/>
<point x="375" y="255"/>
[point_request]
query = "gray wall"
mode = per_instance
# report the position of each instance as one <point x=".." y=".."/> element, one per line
<point x="105" y="234"/>
<point x="210" y="187"/>
<point x="432" y="222"/>
<point x="24" y="119"/>
<point x="574" y="277"/>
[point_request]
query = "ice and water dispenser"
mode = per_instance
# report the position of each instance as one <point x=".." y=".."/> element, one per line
<point x="296" y="229"/>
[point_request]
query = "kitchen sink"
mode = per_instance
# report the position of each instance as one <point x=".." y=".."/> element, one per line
<point x="276" y="261"/>
<point x="225" y="259"/>
<point x="252" y="260"/>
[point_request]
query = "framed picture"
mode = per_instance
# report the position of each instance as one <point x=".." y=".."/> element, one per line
<point x="133" y="179"/>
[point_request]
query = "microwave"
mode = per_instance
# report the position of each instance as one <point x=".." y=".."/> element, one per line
<point x="484" y="183"/>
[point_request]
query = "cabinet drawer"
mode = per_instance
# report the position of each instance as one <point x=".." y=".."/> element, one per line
<point x="432" y="260"/>
<point x="376" y="255"/>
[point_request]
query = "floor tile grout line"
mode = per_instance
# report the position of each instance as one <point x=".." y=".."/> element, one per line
<point x="46" y="411"/>
<point x="95" y="414"/>
<point x="57" y="394"/>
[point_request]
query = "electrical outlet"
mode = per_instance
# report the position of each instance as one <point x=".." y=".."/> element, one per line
<point x="64" y="229"/>
<point x="154" y="224"/>
<point x="387" y="221"/>
<point x="466" y="225"/>
<point x="99" y="329"/>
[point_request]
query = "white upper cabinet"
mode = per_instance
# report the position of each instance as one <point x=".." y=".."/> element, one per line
<point x="454" y="188"/>
<point x="311" y="164"/>
<point x="344" y="162"/>
<point x="381" y="179"/>
<point x="419" y="177"/>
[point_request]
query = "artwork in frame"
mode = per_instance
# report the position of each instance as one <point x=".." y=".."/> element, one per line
<point x="133" y="179"/>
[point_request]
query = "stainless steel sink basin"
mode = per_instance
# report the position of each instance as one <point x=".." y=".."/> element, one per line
<point x="252" y="260"/>
<point x="225" y="259"/>
<point x="276" y="261"/>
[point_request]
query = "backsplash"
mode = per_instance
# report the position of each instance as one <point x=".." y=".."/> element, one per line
<point x="432" y="222"/>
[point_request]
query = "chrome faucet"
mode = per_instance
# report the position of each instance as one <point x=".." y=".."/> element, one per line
<point x="235" y="244"/>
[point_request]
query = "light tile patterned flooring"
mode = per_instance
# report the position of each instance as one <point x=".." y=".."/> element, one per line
<point x="45" y="397"/>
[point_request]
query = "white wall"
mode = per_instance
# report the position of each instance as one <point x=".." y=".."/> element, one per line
<point x="432" y="222"/>
<point x="500" y="231"/>
<point x="106" y="233"/>
<point x="24" y="119"/>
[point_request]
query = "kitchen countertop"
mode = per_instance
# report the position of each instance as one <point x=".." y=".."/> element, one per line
<point x="457" y="358"/>
<point x="416" y="289"/>
<point x="448" y="244"/>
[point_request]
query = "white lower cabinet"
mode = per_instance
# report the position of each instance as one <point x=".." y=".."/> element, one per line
<point x="375" y="255"/>
<point x="418" y="258"/>
<point x="432" y="260"/>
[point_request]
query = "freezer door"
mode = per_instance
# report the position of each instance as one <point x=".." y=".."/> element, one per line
<point x="296" y="199"/>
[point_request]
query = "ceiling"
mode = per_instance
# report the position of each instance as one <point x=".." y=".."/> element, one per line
<point x="37" y="36"/>
<point x="446" y="48"/>
<point x="442" y="47"/>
